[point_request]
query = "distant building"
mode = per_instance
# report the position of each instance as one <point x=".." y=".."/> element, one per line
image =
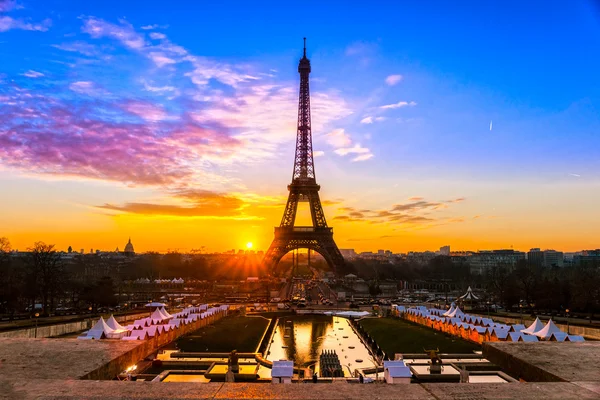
<point x="129" y="248"/>
<point x="348" y="253"/>
<point x="546" y="258"/>
<point x="587" y="257"/>
<point x="482" y="261"/>
<point x="381" y="252"/>
<point x="445" y="251"/>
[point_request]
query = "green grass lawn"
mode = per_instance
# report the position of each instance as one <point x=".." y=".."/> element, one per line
<point x="399" y="336"/>
<point x="230" y="333"/>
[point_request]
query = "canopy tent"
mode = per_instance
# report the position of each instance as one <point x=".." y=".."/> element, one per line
<point x="165" y="313"/>
<point x="547" y="330"/>
<point x="98" y="331"/>
<point x="450" y="311"/>
<point x="157" y="316"/>
<point x="469" y="295"/>
<point x="457" y="313"/>
<point x="536" y="326"/>
<point x="113" y="324"/>
<point x="517" y="328"/>
<point x="576" y="338"/>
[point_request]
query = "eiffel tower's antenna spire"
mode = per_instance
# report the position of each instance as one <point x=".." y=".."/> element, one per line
<point x="304" y="47"/>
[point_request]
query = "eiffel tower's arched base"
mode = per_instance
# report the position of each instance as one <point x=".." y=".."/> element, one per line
<point x="316" y="239"/>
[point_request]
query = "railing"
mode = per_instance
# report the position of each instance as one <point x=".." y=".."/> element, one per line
<point x="302" y="229"/>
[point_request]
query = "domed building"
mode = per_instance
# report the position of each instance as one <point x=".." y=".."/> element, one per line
<point x="129" y="248"/>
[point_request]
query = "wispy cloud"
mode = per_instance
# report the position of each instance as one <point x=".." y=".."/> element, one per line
<point x="391" y="80"/>
<point x="88" y="88"/>
<point x="148" y="111"/>
<point x="33" y="74"/>
<point x="356" y="149"/>
<point x="338" y="138"/>
<point x="399" y="104"/>
<point x="8" y="5"/>
<point x="78" y="47"/>
<point x="124" y="33"/>
<point x="7" y="23"/>
<point x="342" y="142"/>
<point x="417" y="212"/>
<point x="195" y="203"/>
<point x="366" y="120"/>
<point x="157" y="35"/>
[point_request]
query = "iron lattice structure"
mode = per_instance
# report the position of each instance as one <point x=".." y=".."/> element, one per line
<point x="304" y="188"/>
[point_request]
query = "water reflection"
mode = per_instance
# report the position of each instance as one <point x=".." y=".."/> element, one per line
<point x="302" y="338"/>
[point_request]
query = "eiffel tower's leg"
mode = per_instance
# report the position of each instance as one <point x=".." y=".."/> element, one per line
<point x="289" y="215"/>
<point x="328" y="245"/>
<point x="316" y="210"/>
<point x="277" y="250"/>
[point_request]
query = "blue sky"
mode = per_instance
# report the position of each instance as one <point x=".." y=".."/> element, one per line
<point x="135" y="105"/>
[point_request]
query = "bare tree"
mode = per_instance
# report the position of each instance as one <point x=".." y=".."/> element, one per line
<point x="47" y="271"/>
<point x="4" y="245"/>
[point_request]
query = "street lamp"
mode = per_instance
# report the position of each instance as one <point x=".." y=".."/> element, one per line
<point x="567" y="311"/>
<point x="521" y="312"/>
<point x="488" y="307"/>
<point x="36" y="324"/>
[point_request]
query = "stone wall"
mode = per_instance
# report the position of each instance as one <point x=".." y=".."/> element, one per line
<point x="60" y="329"/>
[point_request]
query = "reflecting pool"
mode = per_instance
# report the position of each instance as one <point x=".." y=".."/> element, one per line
<point x="302" y="338"/>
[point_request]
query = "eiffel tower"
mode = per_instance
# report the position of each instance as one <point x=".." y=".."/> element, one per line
<point x="304" y="188"/>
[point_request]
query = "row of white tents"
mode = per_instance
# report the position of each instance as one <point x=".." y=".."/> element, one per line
<point x="457" y="322"/>
<point x="159" y="322"/>
<point x="162" y="281"/>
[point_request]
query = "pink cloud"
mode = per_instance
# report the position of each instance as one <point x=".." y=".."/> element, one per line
<point x="7" y="23"/>
<point x="125" y="33"/>
<point x="63" y="140"/>
<point x="147" y="111"/>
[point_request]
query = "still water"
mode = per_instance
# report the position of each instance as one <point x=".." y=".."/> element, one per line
<point x="302" y="338"/>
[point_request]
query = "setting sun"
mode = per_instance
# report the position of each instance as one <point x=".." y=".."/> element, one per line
<point x="249" y="245"/>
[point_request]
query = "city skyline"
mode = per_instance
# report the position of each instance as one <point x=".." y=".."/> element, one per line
<point x="117" y="122"/>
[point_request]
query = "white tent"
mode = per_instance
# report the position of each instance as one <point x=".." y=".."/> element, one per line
<point x="457" y="313"/>
<point x="112" y="322"/>
<point x="517" y="328"/>
<point x="450" y="311"/>
<point x="533" y="328"/>
<point x="98" y="331"/>
<point x="547" y="330"/>
<point x="469" y="295"/>
<point x="576" y="338"/>
<point x="157" y="316"/>
<point x="165" y="313"/>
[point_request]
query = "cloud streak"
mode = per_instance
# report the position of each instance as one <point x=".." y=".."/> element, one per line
<point x="399" y="104"/>
<point x="416" y="212"/>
